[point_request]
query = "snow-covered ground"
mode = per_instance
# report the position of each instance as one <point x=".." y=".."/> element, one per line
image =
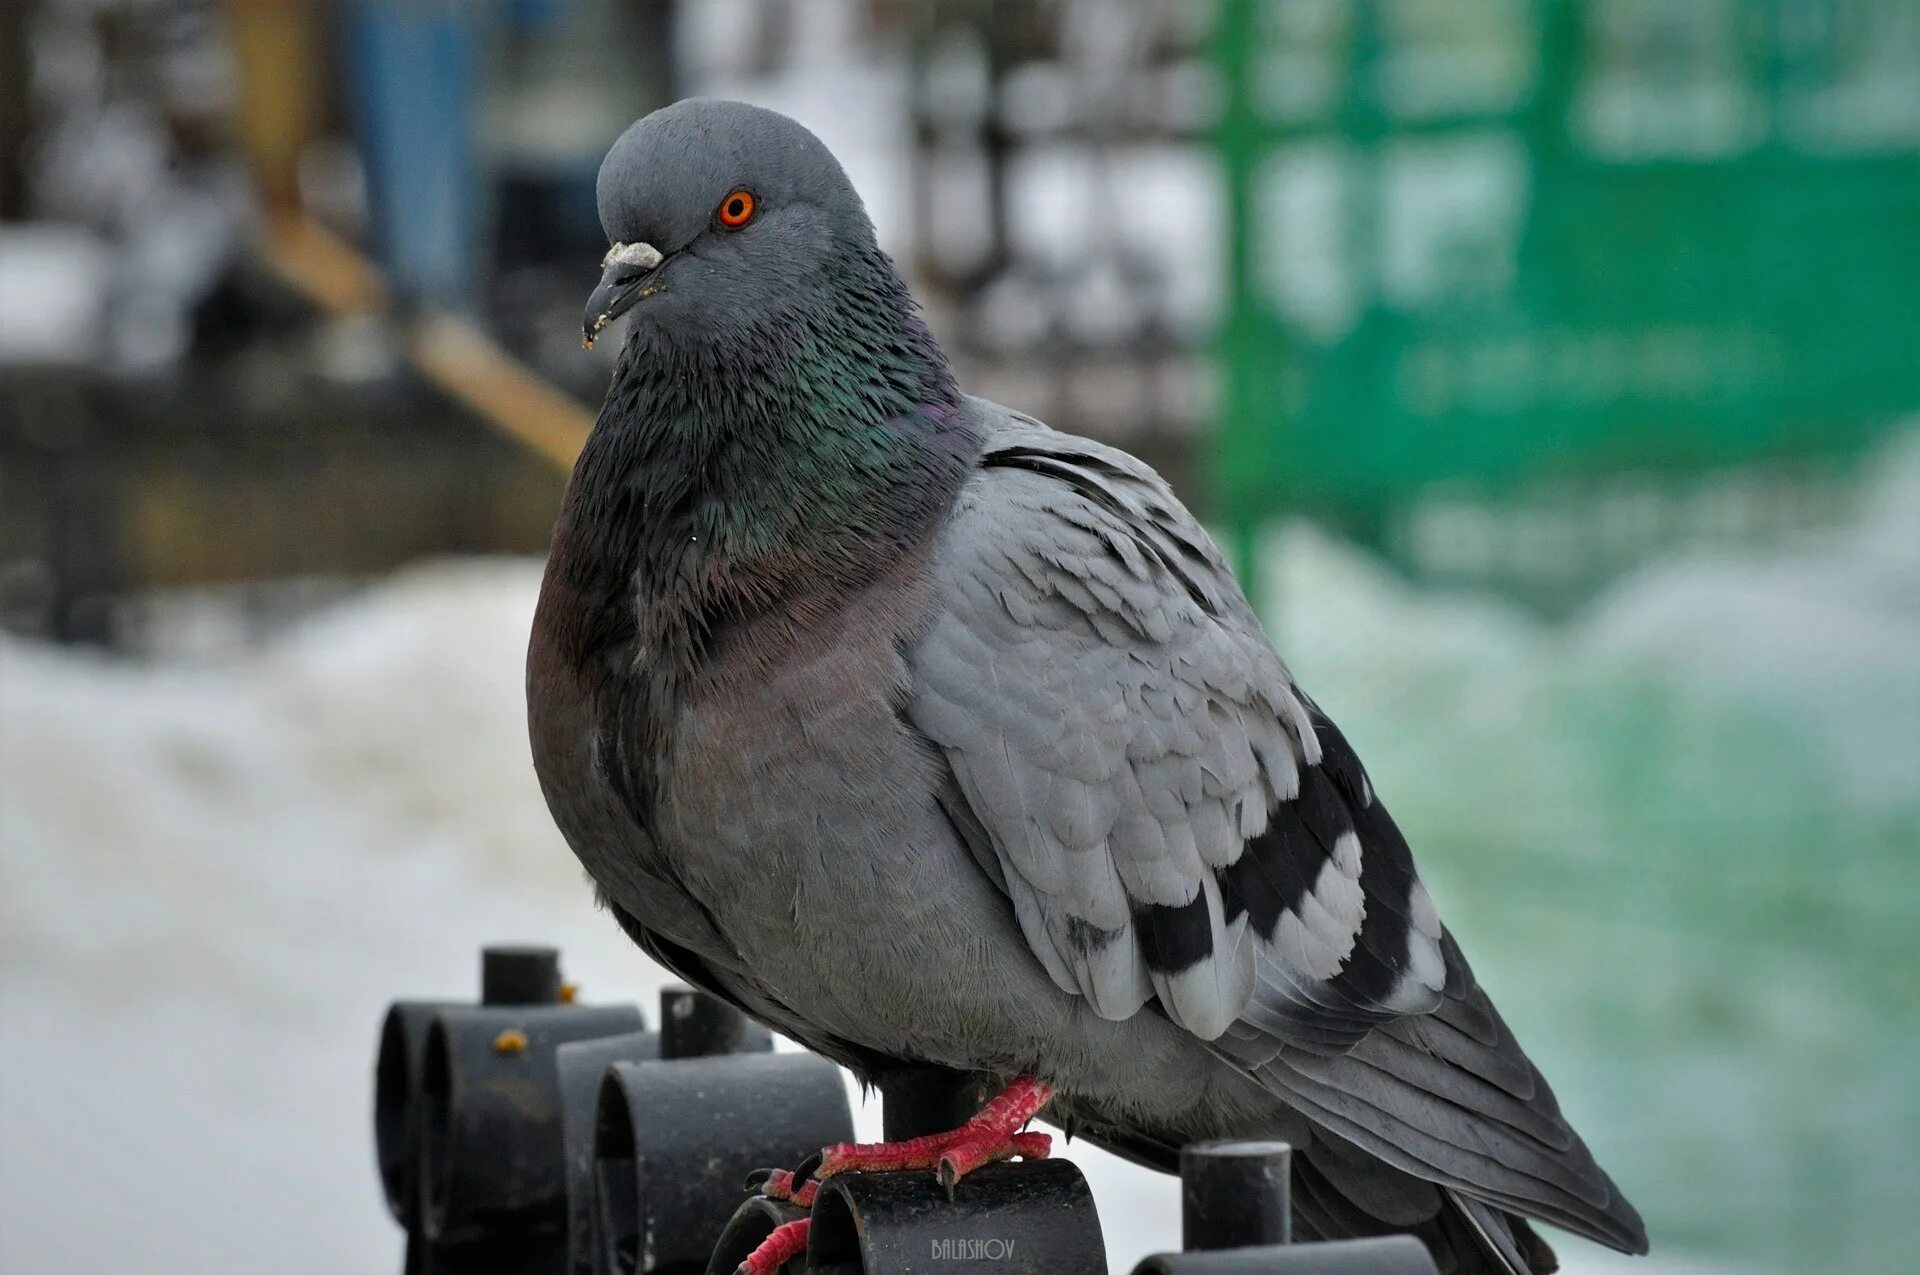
<point x="215" y="878"/>
<point x="216" y="872"/>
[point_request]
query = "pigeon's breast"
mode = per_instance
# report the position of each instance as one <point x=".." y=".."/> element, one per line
<point x="792" y="747"/>
<point x="800" y="808"/>
<point x="595" y="727"/>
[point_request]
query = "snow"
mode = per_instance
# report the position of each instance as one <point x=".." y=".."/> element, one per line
<point x="53" y="288"/>
<point x="217" y="869"/>
<point x="215" y="877"/>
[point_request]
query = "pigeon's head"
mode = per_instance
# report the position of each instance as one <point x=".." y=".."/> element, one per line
<point x="721" y="215"/>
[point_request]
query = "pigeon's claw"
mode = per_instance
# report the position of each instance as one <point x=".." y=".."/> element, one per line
<point x="787" y="1242"/>
<point x="992" y="1135"/>
<point x="779" y="1185"/>
<point x="968" y="1154"/>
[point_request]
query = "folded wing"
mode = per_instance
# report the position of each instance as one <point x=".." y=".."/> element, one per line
<point x="1181" y="830"/>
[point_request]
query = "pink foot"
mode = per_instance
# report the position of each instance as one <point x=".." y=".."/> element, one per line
<point x="992" y="1135"/>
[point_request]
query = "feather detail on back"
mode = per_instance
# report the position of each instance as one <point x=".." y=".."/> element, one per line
<point x="1177" y="826"/>
<point x="1172" y="818"/>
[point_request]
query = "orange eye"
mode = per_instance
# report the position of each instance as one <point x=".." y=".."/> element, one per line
<point x="736" y="210"/>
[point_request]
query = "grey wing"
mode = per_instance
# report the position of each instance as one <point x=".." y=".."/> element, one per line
<point x="1178" y="827"/>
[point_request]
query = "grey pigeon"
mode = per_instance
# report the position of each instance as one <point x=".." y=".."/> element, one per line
<point x="927" y="734"/>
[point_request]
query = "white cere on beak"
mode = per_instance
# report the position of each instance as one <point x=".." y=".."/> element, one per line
<point x="638" y="257"/>
<point x="642" y="256"/>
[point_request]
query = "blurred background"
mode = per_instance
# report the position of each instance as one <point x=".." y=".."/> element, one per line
<point x="1549" y="366"/>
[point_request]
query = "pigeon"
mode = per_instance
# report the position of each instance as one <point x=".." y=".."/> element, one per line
<point x="932" y="736"/>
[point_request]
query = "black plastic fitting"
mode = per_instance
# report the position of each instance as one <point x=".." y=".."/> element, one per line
<point x="581" y="1065"/>
<point x="751" y="1223"/>
<point x="696" y="1025"/>
<point x="505" y="1253"/>
<point x="1388" y="1255"/>
<point x="508" y="976"/>
<point x="396" y="1104"/>
<point x="1032" y="1216"/>
<point x="675" y="1139"/>
<point x="916" y="1101"/>
<point x="1235" y="1194"/>
<point x="491" y="1162"/>
<point x="520" y="976"/>
<point x="1236" y="1218"/>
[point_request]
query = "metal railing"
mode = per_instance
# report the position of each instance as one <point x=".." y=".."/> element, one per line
<point x="528" y="1134"/>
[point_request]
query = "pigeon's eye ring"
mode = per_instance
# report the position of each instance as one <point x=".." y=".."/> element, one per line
<point x="736" y="210"/>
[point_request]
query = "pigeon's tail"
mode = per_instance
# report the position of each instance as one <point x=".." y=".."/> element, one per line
<point x="1342" y="1194"/>
<point x="1337" y="1195"/>
<point x="1507" y="1242"/>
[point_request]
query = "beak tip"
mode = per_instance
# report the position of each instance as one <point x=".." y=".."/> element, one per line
<point x="622" y="283"/>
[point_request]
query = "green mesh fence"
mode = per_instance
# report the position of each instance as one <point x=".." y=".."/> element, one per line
<point x="1481" y="244"/>
<point x="1521" y="287"/>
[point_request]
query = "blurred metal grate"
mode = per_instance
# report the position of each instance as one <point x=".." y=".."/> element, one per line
<point x="1058" y="160"/>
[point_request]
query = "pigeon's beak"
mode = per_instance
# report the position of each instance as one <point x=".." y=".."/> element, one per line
<point x="623" y="281"/>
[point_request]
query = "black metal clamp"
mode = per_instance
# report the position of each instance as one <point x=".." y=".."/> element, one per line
<point x="489" y="1123"/>
<point x="580" y="1065"/>
<point x="485" y="1114"/>
<point x="1236" y="1219"/>
<point x="433" y="1091"/>
<point x="1032" y="1216"/>
<point x="508" y="976"/>
<point x="692" y="1025"/>
<point x="528" y="1135"/>
<point x="674" y="1139"/>
<point x="696" y="1025"/>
